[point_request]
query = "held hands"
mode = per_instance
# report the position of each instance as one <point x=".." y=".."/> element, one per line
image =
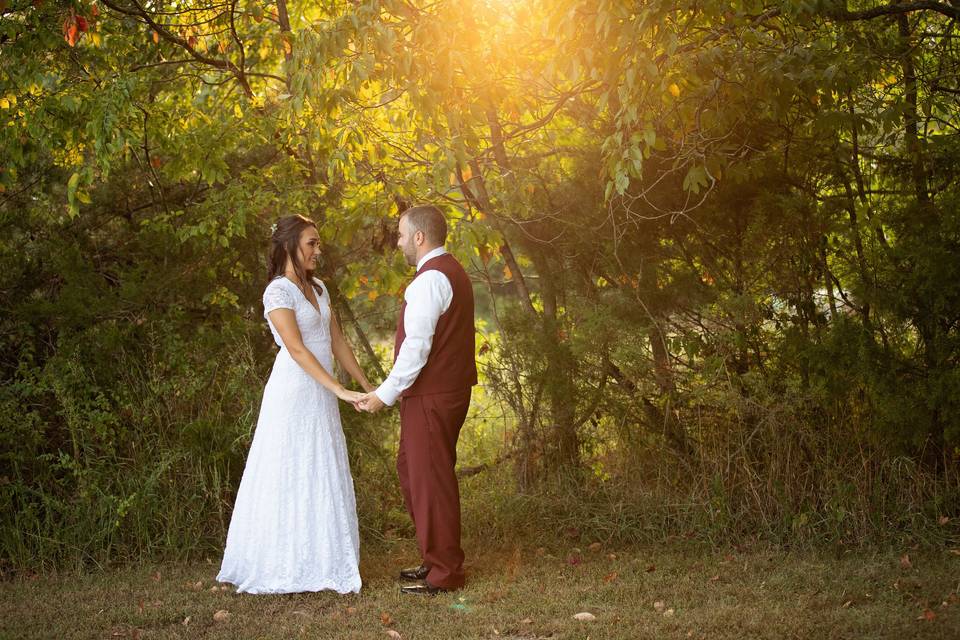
<point x="353" y="397"/>
<point x="370" y="402"/>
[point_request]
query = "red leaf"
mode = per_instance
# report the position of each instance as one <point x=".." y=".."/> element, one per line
<point x="70" y="35"/>
<point x="81" y="23"/>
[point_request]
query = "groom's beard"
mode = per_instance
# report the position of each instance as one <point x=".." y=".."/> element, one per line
<point x="410" y="254"/>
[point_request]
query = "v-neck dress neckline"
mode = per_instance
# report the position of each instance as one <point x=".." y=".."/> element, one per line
<point x="315" y="307"/>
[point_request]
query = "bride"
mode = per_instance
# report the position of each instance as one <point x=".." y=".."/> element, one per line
<point x="294" y="524"/>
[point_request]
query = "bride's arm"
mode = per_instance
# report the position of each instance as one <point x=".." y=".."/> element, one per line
<point x="285" y="323"/>
<point x="345" y="356"/>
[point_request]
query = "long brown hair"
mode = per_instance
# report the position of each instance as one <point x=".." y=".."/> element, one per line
<point x="284" y="242"/>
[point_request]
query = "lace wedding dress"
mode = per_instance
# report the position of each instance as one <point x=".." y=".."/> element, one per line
<point x="294" y="523"/>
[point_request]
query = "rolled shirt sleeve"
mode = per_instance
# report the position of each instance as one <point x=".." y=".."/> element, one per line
<point x="428" y="297"/>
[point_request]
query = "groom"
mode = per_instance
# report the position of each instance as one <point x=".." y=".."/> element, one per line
<point x="433" y="372"/>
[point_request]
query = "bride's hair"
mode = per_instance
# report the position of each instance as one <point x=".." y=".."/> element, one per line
<point x="284" y="242"/>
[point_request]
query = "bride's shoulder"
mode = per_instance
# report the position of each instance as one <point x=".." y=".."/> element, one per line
<point x="279" y="283"/>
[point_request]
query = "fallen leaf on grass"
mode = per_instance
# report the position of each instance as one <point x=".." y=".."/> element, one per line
<point x="927" y="615"/>
<point x="668" y="613"/>
<point x="156" y="576"/>
<point x="393" y="634"/>
<point x="612" y="556"/>
<point x="846" y="605"/>
<point x="659" y="606"/>
<point x="596" y="546"/>
<point x="610" y="577"/>
<point x="385" y="619"/>
<point x="905" y="561"/>
<point x="943" y="520"/>
<point x="715" y="578"/>
<point x="196" y="586"/>
<point x="584" y="616"/>
<point x="221" y="615"/>
<point x="526" y="621"/>
<point x="574" y="558"/>
<point x="651" y="568"/>
<point x="351" y="610"/>
<point x="186" y="621"/>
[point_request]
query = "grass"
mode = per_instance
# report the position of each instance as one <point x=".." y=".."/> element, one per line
<point x="522" y="593"/>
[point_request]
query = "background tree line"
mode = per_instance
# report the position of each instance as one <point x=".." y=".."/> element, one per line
<point x="715" y="246"/>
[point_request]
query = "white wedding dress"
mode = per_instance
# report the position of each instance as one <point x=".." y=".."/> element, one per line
<point x="294" y="523"/>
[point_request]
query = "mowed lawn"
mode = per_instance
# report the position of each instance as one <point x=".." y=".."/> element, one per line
<point x="669" y="592"/>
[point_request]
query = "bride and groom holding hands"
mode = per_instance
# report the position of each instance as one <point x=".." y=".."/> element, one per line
<point x="294" y="523"/>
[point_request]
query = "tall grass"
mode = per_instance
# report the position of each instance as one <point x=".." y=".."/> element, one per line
<point x="763" y="468"/>
<point x="127" y="447"/>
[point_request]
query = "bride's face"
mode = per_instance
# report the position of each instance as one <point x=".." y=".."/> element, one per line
<point x="309" y="248"/>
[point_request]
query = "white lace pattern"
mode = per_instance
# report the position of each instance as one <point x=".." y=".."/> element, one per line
<point x="294" y="523"/>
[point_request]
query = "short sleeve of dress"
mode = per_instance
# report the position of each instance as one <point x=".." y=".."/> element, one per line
<point x="277" y="296"/>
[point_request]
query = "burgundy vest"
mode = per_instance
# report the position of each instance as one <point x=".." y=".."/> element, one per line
<point x="451" y="365"/>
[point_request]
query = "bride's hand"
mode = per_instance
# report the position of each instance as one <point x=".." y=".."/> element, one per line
<point x="353" y="397"/>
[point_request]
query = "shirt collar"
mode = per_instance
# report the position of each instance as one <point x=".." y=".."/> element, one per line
<point x="433" y="253"/>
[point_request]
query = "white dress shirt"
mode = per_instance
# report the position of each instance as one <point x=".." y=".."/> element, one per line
<point x="427" y="297"/>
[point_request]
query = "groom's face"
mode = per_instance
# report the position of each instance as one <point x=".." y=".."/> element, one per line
<point x="407" y="242"/>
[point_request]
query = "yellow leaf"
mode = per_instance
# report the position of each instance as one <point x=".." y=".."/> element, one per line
<point x="467" y="173"/>
<point x="156" y="38"/>
<point x="373" y="295"/>
<point x="237" y="111"/>
<point x="4" y="103"/>
<point x="507" y="274"/>
<point x="891" y="79"/>
<point x="674" y="90"/>
<point x="95" y="39"/>
<point x="287" y="46"/>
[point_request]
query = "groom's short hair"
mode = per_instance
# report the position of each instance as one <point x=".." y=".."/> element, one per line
<point x="430" y="220"/>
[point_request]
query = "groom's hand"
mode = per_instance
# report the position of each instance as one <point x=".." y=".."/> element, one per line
<point x="371" y="402"/>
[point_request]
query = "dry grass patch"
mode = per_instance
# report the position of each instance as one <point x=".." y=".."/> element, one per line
<point x="520" y="593"/>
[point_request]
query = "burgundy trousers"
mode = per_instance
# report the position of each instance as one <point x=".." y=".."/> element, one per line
<point x="426" y="462"/>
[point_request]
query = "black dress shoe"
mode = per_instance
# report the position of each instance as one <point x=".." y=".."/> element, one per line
<point x="414" y="573"/>
<point x="422" y="589"/>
